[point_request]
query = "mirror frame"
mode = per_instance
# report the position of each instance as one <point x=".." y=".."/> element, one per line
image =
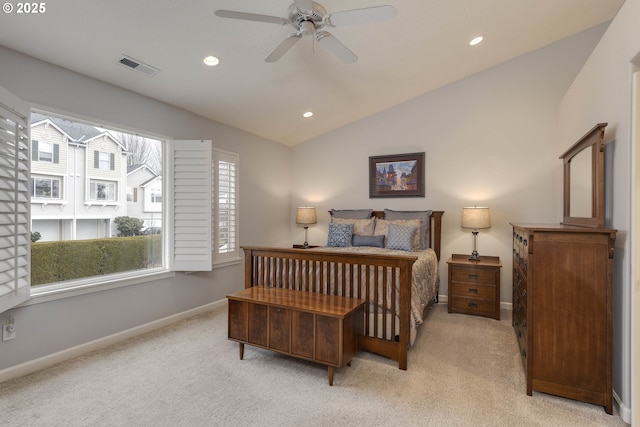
<point x="594" y="139"/>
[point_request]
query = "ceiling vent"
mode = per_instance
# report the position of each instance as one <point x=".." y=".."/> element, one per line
<point x="134" y="64"/>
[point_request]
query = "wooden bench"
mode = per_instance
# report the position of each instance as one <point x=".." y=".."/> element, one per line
<point x="321" y="328"/>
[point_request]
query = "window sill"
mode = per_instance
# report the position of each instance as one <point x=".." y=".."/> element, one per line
<point x="45" y="293"/>
<point x="226" y="263"/>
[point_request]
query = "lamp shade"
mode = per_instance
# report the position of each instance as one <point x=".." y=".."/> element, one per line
<point x="476" y="218"/>
<point x="306" y="215"/>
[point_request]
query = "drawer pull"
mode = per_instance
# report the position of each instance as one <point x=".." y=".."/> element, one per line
<point x="473" y="291"/>
<point x="473" y="305"/>
<point x="473" y="276"/>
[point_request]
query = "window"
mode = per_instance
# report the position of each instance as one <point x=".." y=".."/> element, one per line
<point x="189" y="170"/>
<point x="43" y="151"/>
<point x="132" y="194"/>
<point x="45" y="188"/>
<point x="225" y="212"/>
<point x="103" y="160"/>
<point x="106" y="235"/>
<point x="102" y="190"/>
<point x="156" y="197"/>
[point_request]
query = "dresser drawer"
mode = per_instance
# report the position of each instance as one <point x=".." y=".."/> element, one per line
<point x="473" y="275"/>
<point x="473" y="290"/>
<point x="474" y="306"/>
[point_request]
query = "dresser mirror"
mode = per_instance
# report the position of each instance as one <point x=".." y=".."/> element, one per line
<point x="584" y="180"/>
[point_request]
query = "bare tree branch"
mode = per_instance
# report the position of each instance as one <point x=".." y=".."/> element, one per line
<point x="143" y="151"/>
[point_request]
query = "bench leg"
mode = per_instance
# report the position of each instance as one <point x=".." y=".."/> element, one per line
<point x="241" y="348"/>
<point x="331" y="370"/>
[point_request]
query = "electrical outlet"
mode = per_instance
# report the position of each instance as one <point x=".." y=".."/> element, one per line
<point x="8" y="332"/>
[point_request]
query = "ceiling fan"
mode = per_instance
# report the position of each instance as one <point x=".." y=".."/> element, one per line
<point x="309" y="18"/>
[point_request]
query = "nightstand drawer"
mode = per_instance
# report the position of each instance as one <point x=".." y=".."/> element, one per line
<point x="474" y="306"/>
<point x="470" y="290"/>
<point x="473" y="275"/>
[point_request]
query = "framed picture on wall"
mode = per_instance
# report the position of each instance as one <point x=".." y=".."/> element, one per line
<point x="396" y="175"/>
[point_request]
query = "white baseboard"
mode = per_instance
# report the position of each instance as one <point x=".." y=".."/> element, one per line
<point x="625" y="411"/>
<point x="60" y="356"/>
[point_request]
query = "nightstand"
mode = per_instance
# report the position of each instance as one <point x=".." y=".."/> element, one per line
<point x="474" y="286"/>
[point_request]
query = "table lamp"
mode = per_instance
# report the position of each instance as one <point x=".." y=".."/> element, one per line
<point x="475" y="218"/>
<point x="306" y="216"/>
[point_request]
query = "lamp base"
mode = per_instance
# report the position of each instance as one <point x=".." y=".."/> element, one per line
<point x="306" y="244"/>
<point x="475" y="257"/>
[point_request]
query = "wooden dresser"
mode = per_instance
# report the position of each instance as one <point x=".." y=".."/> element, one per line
<point x="562" y="309"/>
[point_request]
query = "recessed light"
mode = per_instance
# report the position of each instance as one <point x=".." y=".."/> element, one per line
<point x="211" y="61"/>
<point x="307" y="114"/>
<point x="474" y="41"/>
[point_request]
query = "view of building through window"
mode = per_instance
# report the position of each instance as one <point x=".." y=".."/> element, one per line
<point x="96" y="201"/>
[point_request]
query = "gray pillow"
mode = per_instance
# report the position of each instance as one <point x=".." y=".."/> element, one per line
<point x="351" y="213"/>
<point x="401" y="237"/>
<point x="423" y="216"/>
<point x="375" y="241"/>
<point x="340" y="235"/>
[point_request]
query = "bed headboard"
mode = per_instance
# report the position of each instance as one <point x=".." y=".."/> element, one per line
<point x="435" y="228"/>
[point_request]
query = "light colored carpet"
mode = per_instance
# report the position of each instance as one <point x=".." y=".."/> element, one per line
<point x="463" y="371"/>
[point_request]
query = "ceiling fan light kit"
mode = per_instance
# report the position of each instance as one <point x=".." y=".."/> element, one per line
<point x="308" y="18"/>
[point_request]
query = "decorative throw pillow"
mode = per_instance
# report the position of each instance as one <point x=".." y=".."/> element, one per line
<point x="340" y="235"/>
<point x="423" y="216"/>
<point x="363" y="227"/>
<point x="401" y="237"/>
<point x="375" y="241"/>
<point x="351" y="213"/>
<point x="382" y="228"/>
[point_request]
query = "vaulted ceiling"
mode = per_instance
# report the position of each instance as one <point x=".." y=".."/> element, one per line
<point x="424" y="47"/>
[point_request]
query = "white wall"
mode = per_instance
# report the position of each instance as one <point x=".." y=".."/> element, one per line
<point x="488" y="140"/>
<point x="602" y="92"/>
<point x="49" y="327"/>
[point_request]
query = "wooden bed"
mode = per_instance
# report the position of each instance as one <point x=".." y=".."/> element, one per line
<point x="366" y="276"/>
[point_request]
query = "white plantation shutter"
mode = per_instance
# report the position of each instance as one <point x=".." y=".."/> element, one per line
<point x="191" y="205"/>
<point x="225" y="206"/>
<point x="15" y="238"/>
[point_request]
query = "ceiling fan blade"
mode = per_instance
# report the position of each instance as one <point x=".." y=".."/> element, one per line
<point x="306" y="5"/>
<point x="360" y="16"/>
<point x="251" y="17"/>
<point x="283" y="47"/>
<point x="336" y="47"/>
